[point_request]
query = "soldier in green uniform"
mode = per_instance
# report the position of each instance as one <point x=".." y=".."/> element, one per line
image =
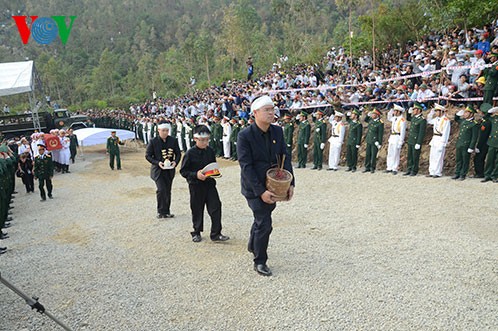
<point x="491" y="76"/>
<point x="233" y="138"/>
<point x="73" y="144"/>
<point x="44" y="171"/>
<point x="466" y="141"/>
<point x="491" y="170"/>
<point x="112" y="149"/>
<point x="303" y="139"/>
<point x="288" y="133"/>
<point x="415" y="138"/>
<point x="375" y="133"/>
<point x="354" y="139"/>
<point x="174" y="128"/>
<point x="319" y="139"/>
<point x="482" y="141"/>
<point x="217" y="136"/>
<point x="4" y="197"/>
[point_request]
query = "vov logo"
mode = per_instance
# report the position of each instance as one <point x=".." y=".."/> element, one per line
<point x="44" y="30"/>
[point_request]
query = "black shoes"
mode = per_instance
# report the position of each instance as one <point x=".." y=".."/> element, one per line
<point x="408" y="173"/>
<point x="262" y="269"/>
<point x="6" y="225"/>
<point x="461" y="178"/>
<point x="165" y="216"/>
<point x="348" y="169"/>
<point x="395" y="172"/>
<point x="220" y="238"/>
<point x="487" y="179"/>
<point x="455" y="177"/>
<point x="196" y="238"/>
<point x="366" y="170"/>
<point x="413" y="174"/>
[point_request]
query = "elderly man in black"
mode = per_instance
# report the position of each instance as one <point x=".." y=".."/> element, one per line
<point x="164" y="155"/>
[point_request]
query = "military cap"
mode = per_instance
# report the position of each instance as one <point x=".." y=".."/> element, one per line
<point x="470" y="109"/>
<point x="417" y="105"/>
<point x="485" y="107"/>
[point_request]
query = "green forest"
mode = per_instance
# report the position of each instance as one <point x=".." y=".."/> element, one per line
<point x="120" y="51"/>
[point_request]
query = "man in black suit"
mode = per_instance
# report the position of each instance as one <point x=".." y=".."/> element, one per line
<point x="257" y="148"/>
<point x="164" y="155"/>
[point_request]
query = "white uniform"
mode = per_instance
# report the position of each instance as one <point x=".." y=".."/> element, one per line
<point x="227" y="131"/>
<point x="396" y="139"/>
<point x="179" y="135"/>
<point x="64" y="152"/>
<point x="441" y="133"/>
<point x="187" y="134"/>
<point x="336" y="139"/>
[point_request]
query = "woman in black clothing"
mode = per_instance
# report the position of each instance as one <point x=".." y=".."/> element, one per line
<point x="25" y="167"/>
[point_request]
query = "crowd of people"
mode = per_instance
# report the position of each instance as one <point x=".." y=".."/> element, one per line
<point x="459" y="69"/>
<point x="29" y="158"/>
<point x="332" y="102"/>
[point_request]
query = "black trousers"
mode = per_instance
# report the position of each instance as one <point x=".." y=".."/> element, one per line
<point x="205" y="194"/>
<point x="73" y="153"/>
<point x="163" y="194"/>
<point x="41" y="185"/>
<point x="261" y="229"/>
<point x="28" y="181"/>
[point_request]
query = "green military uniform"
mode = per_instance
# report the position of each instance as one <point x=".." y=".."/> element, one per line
<point x="482" y="142"/>
<point x="4" y="195"/>
<point x="174" y="129"/>
<point x="73" y="145"/>
<point x="289" y="136"/>
<point x="44" y="171"/>
<point x="113" y="150"/>
<point x="491" y="84"/>
<point x="153" y="131"/>
<point x="320" y="137"/>
<point x="415" y="139"/>
<point x="491" y="170"/>
<point x="465" y="145"/>
<point x="303" y="139"/>
<point x="353" y="142"/>
<point x="375" y="133"/>
<point x="182" y="141"/>
<point x="233" y="140"/>
<point x="216" y="138"/>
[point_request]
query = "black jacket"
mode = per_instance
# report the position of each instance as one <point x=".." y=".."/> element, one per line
<point x="154" y="154"/>
<point x="254" y="161"/>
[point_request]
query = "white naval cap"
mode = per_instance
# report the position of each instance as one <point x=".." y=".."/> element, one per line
<point x="493" y="110"/>
<point x="437" y="106"/>
<point x="337" y="113"/>
<point x="399" y="108"/>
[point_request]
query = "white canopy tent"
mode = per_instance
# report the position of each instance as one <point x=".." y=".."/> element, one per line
<point x="96" y="136"/>
<point x="16" y="77"/>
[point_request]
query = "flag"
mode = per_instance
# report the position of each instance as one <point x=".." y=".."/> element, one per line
<point x="52" y="142"/>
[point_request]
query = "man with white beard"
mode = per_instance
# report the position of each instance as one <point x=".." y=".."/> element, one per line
<point x="441" y="132"/>
<point x="336" y="139"/>
<point x="227" y="131"/>
<point x="396" y="139"/>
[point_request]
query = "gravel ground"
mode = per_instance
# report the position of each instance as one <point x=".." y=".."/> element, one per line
<point x="350" y="252"/>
